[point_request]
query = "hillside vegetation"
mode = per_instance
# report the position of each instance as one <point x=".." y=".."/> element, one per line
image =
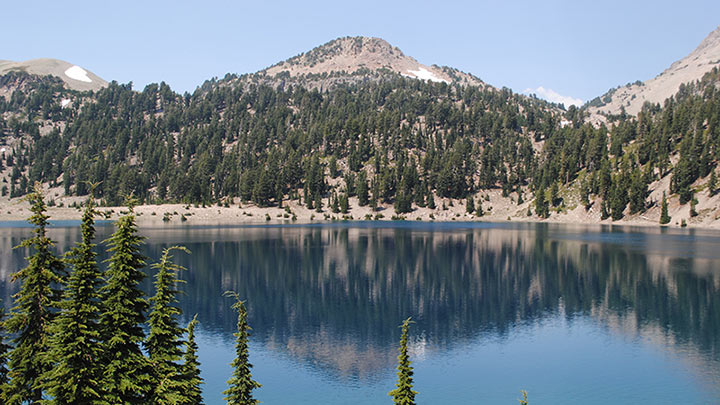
<point x="397" y="140"/>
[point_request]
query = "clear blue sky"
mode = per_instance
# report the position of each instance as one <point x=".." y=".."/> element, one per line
<point x="576" y="48"/>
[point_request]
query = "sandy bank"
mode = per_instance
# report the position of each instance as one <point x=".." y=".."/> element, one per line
<point x="496" y="207"/>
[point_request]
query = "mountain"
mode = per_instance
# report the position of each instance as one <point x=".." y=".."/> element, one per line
<point x="632" y="96"/>
<point x="351" y="60"/>
<point x="74" y="77"/>
<point x="355" y="127"/>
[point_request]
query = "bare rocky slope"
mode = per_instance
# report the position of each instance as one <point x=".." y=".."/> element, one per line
<point x="74" y="77"/>
<point x="352" y="60"/>
<point x="632" y="96"/>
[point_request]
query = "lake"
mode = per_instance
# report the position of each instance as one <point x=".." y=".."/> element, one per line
<point x="572" y="314"/>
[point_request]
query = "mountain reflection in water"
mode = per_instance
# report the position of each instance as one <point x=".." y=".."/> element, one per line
<point x="333" y="295"/>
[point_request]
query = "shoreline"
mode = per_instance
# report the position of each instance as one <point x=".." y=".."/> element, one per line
<point x="501" y="210"/>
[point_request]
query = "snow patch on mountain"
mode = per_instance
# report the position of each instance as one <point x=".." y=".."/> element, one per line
<point x="78" y="73"/>
<point x="554" y="97"/>
<point x="424" y="74"/>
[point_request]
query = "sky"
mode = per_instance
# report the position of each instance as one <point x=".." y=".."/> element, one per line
<point x="571" y="51"/>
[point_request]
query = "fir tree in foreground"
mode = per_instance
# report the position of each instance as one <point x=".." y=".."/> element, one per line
<point x="191" y="368"/>
<point x="35" y="305"/>
<point x="75" y="351"/>
<point x="127" y="378"/>
<point x="4" y="349"/>
<point x="523" y="400"/>
<point x="163" y="343"/>
<point x="403" y="393"/>
<point x="241" y="383"/>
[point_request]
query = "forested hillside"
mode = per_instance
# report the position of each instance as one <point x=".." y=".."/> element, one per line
<point x="395" y="140"/>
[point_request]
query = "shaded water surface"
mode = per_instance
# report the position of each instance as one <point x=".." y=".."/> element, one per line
<point x="572" y="314"/>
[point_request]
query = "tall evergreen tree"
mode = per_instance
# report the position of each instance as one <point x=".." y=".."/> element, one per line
<point x="191" y="368"/>
<point x="332" y="167"/>
<point x="523" y="400"/>
<point x="35" y="305"/>
<point x="75" y="351"/>
<point x="637" y="192"/>
<point x="431" y="201"/>
<point x="541" y="204"/>
<point x="403" y="393"/>
<point x="712" y="183"/>
<point x="664" y="217"/>
<point x="403" y="202"/>
<point x="554" y="198"/>
<point x="604" y="213"/>
<point x="470" y="204"/>
<point x="617" y="200"/>
<point x="241" y="384"/>
<point x="479" y="208"/>
<point x="334" y="203"/>
<point x="4" y="349"/>
<point x="127" y="376"/>
<point x="165" y="338"/>
<point x="693" y="205"/>
<point x="344" y="203"/>
<point x="318" y="203"/>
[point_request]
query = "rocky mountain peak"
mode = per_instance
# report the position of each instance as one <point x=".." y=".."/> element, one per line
<point x="631" y="97"/>
<point x="350" y="59"/>
<point x="362" y="49"/>
<point x="74" y="77"/>
<point x="711" y="41"/>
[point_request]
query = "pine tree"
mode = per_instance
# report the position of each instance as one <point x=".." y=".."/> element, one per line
<point x="362" y="189"/>
<point x="264" y="189"/>
<point x="344" y="203"/>
<point x="637" y="192"/>
<point x="541" y="205"/>
<point x="431" y="201"/>
<point x="523" y="400"/>
<point x="604" y="214"/>
<point x="191" y="368"/>
<point x="241" y="384"/>
<point x="334" y="204"/>
<point x="35" y="306"/>
<point x="585" y="195"/>
<point x="332" y="167"/>
<point x="403" y="202"/>
<point x="318" y="203"/>
<point x="375" y="195"/>
<point x="165" y="338"/>
<point x="403" y="393"/>
<point x="664" y="217"/>
<point x="605" y="179"/>
<point x="127" y="373"/>
<point x="554" y="198"/>
<point x="617" y="200"/>
<point x="306" y="197"/>
<point x="470" y="204"/>
<point x="75" y="351"/>
<point x="479" y="209"/>
<point x="693" y="204"/>
<point x="712" y="183"/>
<point x="4" y="349"/>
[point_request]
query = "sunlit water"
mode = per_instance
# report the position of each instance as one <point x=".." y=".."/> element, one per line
<point x="571" y="314"/>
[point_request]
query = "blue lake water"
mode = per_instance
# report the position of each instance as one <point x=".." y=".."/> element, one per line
<point x="572" y="314"/>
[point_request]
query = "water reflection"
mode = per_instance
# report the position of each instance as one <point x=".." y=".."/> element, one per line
<point x="332" y="296"/>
